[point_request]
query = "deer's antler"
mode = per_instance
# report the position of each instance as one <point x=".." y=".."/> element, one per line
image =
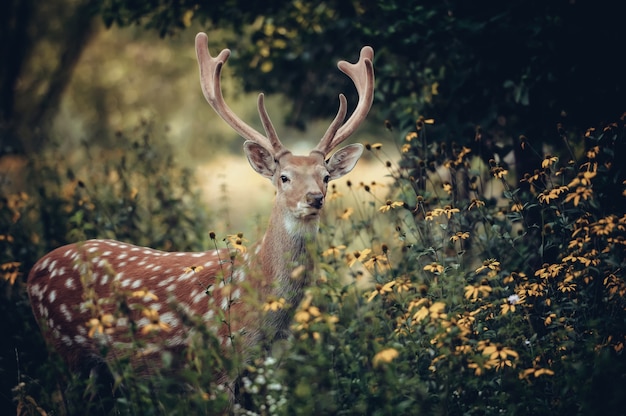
<point x="210" y="72"/>
<point x="362" y="74"/>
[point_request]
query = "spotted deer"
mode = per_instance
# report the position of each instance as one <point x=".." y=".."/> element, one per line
<point x="75" y="290"/>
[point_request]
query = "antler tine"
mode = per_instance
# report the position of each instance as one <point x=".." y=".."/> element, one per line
<point x="362" y="75"/>
<point x="210" y="72"/>
<point x="274" y="141"/>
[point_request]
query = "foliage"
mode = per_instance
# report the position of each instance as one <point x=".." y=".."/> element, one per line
<point x="442" y="296"/>
<point x="508" y="66"/>
<point x="135" y="193"/>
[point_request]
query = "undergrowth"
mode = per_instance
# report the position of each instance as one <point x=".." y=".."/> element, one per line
<point x="448" y="287"/>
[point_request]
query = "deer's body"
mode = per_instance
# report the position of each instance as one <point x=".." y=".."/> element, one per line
<point x="77" y="290"/>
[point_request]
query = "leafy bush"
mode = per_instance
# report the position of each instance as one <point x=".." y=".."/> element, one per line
<point x="447" y="290"/>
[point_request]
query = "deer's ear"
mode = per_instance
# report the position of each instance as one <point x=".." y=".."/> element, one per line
<point x="261" y="159"/>
<point x="344" y="160"/>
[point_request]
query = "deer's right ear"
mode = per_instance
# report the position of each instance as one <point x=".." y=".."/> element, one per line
<point x="261" y="159"/>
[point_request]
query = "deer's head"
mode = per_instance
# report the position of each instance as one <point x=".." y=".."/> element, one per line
<point x="301" y="181"/>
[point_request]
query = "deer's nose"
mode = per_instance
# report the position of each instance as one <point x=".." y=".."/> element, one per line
<point x="315" y="199"/>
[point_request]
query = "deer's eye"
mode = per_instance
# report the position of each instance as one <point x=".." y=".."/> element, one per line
<point x="326" y="178"/>
<point x="284" y="179"/>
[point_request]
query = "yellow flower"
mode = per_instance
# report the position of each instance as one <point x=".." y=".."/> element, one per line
<point x="548" y="161"/>
<point x="475" y="292"/>
<point x="499" y="172"/>
<point x="238" y="241"/>
<point x="435" y="311"/>
<point x="580" y="192"/>
<point x="10" y="271"/>
<point x="376" y="261"/>
<point x="491" y="264"/>
<point x="347" y="213"/>
<point x="146" y="294"/>
<point x="381" y="290"/>
<point x="274" y="305"/>
<point x="448" y="210"/>
<point x="434" y="267"/>
<point x="476" y="203"/>
<point x="403" y="285"/>
<point x="385" y="356"/>
<point x="412" y="135"/>
<point x="155" y="323"/>
<point x="193" y="269"/>
<point x="459" y="236"/>
<point x="98" y="325"/>
<point x="333" y="251"/>
<point x="499" y="352"/>
<point x="390" y="205"/>
<point x="537" y="372"/>
<point x="358" y="255"/>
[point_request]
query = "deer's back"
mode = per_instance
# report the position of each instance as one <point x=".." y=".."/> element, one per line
<point x="97" y="293"/>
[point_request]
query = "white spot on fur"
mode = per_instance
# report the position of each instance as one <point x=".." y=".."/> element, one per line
<point x="166" y="281"/>
<point x="66" y="312"/>
<point x="69" y="283"/>
<point x="80" y="339"/>
<point x="52" y="296"/>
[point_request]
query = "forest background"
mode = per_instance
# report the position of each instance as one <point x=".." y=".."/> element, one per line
<point x="104" y="133"/>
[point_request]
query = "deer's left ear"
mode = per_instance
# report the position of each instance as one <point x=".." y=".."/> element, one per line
<point x="261" y="159"/>
<point x="344" y="160"/>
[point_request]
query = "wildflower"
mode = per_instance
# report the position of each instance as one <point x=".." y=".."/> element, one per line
<point x="358" y="255"/>
<point x="145" y="294"/>
<point x="333" y="251"/>
<point x="434" y="267"/>
<point x="548" y="161"/>
<point x="475" y="292"/>
<point x="499" y="355"/>
<point x="549" y="270"/>
<point x="346" y="213"/>
<point x="381" y="290"/>
<point x="155" y="324"/>
<point x="334" y="194"/>
<point x="476" y="203"/>
<point x="580" y="192"/>
<point x="390" y="205"/>
<point x="403" y="285"/>
<point x="447" y="187"/>
<point x="448" y="210"/>
<point x="304" y="316"/>
<point x="98" y="325"/>
<point x="491" y="264"/>
<point x="509" y="305"/>
<point x="459" y="236"/>
<point x="238" y="241"/>
<point x="412" y="135"/>
<point x="537" y="372"/>
<point x="376" y="261"/>
<point x="274" y="305"/>
<point x="193" y="269"/>
<point x="10" y="271"/>
<point x="435" y="311"/>
<point x="385" y="356"/>
<point x="584" y="178"/>
<point x="499" y="172"/>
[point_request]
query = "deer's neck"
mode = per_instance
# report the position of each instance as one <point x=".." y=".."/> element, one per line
<point x="287" y="265"/>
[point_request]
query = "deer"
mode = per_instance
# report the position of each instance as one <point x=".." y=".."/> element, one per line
<point x="70" y="288"/>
